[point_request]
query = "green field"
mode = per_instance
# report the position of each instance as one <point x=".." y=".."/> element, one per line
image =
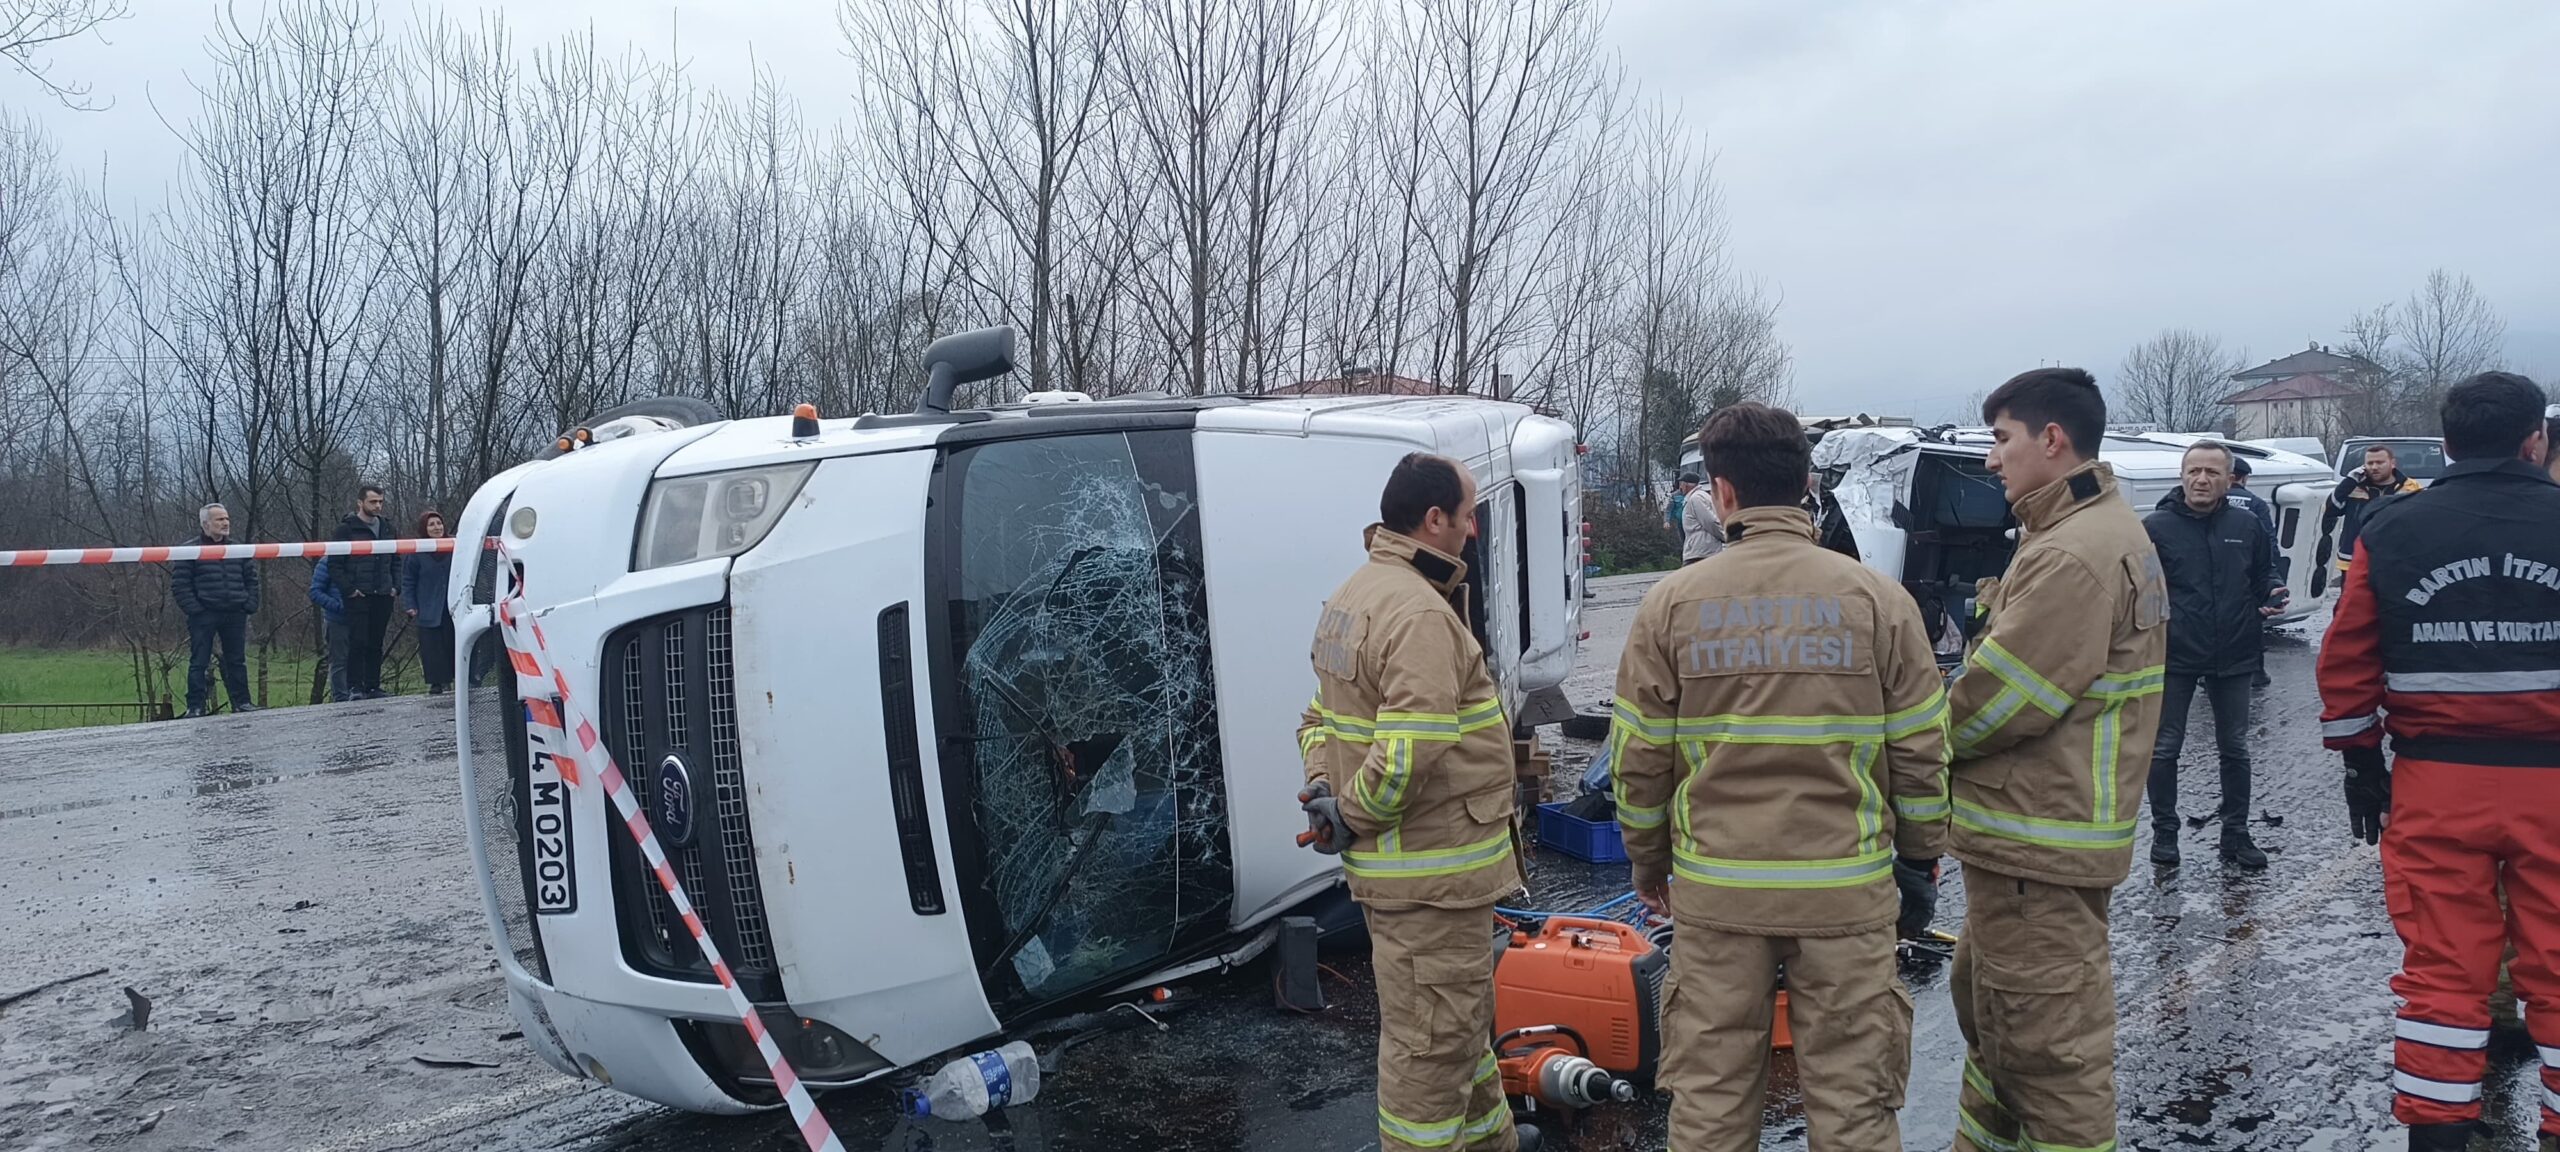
<point x="57" y="676"/>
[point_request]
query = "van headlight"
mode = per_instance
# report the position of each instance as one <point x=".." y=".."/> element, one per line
<point x="715" y="514"/>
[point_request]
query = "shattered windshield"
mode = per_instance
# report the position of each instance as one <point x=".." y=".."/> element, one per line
<point x="1091" y="768"/>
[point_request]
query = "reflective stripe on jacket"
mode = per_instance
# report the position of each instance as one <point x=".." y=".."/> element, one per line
<point x="2056" y="705"/>
<point x="1780" y="735"/>
<point x="1407" y="728"/>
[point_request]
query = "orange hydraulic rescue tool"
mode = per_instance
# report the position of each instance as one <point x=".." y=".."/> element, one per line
<point x="1577" y="1006"/>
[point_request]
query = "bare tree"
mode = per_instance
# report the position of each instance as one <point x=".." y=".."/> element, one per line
<point x="2418" y="348"/>
<point x="1733" y="352"/>
<point x="2447" y="331"/>
<point x="286" y="277"/>
<point x="2177" y="379"/>
<point x="412" y="254"/>
<point x="29" y="27"/>
<point x="431" y="124"/>
<point x="1503" y="89"/>
<point x="1013" y="96"/>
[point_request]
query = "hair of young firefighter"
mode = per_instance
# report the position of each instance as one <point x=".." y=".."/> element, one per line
<point x="1420" y="483"/>
<point x="2065" y="396"/>
<point x="2491" y="415"/>
<point x="1760" y="450"/>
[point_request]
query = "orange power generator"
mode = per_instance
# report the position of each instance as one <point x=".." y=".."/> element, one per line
<point x="1599" y="980"/>
<point x="1602" y="980"/>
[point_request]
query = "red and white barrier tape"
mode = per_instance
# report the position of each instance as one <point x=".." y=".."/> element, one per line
<point x="44" y="557"/>
<point x="564" y="714"/>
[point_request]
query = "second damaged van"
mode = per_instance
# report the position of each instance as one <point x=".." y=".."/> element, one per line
<point x="1927" y="511"/>
<point x="949" y="718"/>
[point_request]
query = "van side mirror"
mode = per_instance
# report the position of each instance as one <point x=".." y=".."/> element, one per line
<point x="964" y="358"/>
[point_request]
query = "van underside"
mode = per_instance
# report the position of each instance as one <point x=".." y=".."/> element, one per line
<point x="1958" y="531"/>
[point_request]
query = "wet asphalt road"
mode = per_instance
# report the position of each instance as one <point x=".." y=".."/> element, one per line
<point x="292" y="892"/>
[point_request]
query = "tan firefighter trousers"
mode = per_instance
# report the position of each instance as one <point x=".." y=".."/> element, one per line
<point x="2035" y="997"/>
<point x="1849" y="1012"/>
<point x="1438" y="1087"/>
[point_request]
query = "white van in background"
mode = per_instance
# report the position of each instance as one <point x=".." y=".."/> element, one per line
<point x="1926" y="511"/>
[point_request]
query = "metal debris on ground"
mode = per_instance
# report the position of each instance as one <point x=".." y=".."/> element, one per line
<point x="48" y="985"/>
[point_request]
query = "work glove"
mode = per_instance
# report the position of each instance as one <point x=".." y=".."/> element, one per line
<point x="1329" y="832"/>
<point x="1652" y="883"/>
<point x="2368" y="794"/>
<point x="1918" y="882"/>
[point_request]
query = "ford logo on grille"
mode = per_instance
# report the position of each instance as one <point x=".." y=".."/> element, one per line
<point x="674" y="815"/>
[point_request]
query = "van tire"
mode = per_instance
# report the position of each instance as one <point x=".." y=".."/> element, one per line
<point x="689" y="411"/>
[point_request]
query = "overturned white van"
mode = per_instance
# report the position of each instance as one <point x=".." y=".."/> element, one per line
<point x="946" y="718"/>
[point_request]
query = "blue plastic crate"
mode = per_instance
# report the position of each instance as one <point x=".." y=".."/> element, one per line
<point x="1581" y="839"/>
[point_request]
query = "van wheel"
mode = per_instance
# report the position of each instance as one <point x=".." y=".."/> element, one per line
<point x="1587" y="726"/>
<point x="682" y="411"/>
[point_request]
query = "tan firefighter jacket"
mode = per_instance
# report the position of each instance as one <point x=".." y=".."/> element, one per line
<point x="2055" y="706"/>
<point x="1407" y="728"/>
<point x="1780" y="735"/>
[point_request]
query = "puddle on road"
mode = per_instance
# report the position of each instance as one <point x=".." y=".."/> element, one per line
<point x="214" y="779"/>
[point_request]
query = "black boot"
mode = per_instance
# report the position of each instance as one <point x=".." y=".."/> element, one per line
<point x="2164" y="845"/>
<point x="2238" y="850"/>
<point x="1531" y="1140"/>
<point x="2441" y="1137"/>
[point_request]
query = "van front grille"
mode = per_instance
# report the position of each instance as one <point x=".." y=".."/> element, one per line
<point x="678" y="701"/>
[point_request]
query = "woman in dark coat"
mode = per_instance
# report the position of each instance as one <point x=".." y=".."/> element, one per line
<point x="423" y="578"/>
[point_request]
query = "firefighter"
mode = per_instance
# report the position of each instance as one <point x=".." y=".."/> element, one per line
<point x="2053" y="713"/>
<point x="2355" y="495"/>
<point x="2447" y="637"/>
<point x="1780" y="751"/>
<point x="1409" y="779"/>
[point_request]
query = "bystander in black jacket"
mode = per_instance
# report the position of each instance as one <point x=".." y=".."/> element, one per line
<point x="2221" y="567"/>
<point x="377" y="575"/>
<point x="204" y="587"/>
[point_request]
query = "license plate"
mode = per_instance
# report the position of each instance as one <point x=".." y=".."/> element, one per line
<point x="553" y="873"/>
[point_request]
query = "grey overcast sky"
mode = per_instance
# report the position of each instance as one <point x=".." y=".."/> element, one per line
<point x="1943" y="192"/>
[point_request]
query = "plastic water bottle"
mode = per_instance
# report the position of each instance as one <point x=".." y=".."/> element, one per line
<point x="977" y="1084"/>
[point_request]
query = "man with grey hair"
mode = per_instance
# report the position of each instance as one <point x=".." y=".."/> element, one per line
<point x="217" y="597"/>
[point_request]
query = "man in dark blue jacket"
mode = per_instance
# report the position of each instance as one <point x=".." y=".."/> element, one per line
<point x="2223" y="583"/>
<point x="333" y="618"/>
<point x="218" y="597"/>
<point x="2252" y="503"/>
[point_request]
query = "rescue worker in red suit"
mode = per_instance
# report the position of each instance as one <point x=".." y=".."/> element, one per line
<point x="2447" y="639"/>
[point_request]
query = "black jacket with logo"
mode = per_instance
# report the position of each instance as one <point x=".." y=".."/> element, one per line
<point x="2222" y="568"/>
<point x="2447" y="632"/>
